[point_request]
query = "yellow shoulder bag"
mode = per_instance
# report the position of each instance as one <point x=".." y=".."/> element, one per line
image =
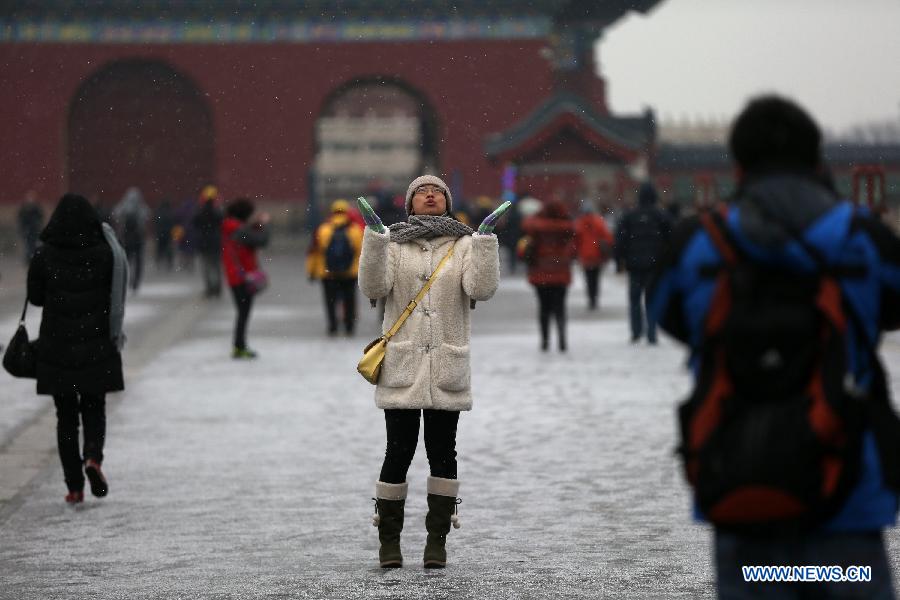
<point x="373" y="354"/>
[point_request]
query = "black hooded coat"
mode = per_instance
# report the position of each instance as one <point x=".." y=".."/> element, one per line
<point x="642" y="233"/>
<point x="208" y="223"/>
<point x="71" y="277"/>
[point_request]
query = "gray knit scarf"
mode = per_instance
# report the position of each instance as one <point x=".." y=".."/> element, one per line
<point x="428" y="227"/>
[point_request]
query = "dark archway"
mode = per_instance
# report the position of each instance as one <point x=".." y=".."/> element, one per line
<point x="139" y="123"/>
<point x="375" y="131"/>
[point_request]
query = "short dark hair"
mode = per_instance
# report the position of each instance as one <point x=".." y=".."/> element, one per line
<point x="240" y="209"/>
<point x="774" y="133"/>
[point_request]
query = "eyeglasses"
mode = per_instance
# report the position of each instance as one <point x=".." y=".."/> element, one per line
<point x="424" y="189"/>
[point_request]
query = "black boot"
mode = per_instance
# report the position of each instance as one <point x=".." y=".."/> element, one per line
<point x="390" y="500"/>
<point x="441" y="514"/>
<point x="545" y="330"/>
<point x="561" y="329"/>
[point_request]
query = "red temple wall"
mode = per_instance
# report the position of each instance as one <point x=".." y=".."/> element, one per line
<point x="265" y="100"/>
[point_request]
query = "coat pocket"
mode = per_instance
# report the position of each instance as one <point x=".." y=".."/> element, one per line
<point x="401" y="362"/>
<point x="454" y="372"/>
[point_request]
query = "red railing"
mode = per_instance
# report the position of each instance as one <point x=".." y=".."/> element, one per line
<point x="706" y="194"/>
<point x="869" y="187"/>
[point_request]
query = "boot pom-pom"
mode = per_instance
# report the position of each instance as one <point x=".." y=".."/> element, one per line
<point x="454" y="519"/>
<point x="376" y="519"/>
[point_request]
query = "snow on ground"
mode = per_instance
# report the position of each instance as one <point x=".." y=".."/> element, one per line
<point x="253" y="479"/>
<point x="18" y="402"/>
<point x="155" y="290"/>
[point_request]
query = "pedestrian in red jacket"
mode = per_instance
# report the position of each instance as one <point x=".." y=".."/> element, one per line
<point x="594" y="242"/>
<point x="548" y="249"/>
<point x="241" y="237"/>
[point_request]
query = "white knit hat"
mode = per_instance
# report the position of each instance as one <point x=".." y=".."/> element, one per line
<point x="427" y="180"/>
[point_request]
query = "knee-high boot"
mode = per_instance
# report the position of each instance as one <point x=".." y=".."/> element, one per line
<point x="390" y="499"/>
<point x="442" y="503"/>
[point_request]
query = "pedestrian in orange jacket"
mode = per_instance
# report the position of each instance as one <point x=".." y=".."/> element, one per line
<point x="594" y="243"/>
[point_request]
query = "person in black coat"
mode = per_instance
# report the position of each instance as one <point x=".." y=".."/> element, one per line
<point x="641" y="236"/>
<point x="163" y="222"/>
<point x="208" y="224"/>
<point x="77" y="361"/>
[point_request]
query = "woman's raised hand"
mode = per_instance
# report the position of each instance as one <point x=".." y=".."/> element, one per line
<point x="487" y="226"/>
<point x="369" y="215"/>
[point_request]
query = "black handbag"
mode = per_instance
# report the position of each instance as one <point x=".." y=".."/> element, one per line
<point x="20" y="358"/>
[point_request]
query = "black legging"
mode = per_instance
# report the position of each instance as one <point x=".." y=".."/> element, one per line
<point x="638" y="298"/>
<point x="243" y="301"/>
<point x="592" y="275"/>
<point x="135" y="255"/>
<point x="92" y="408"/>
<point x="343" y="291"/>
<point x="403" y="435"/>
<point x="552" y="302"/>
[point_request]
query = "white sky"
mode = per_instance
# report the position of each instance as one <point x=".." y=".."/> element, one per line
<point x="691" y="58"/>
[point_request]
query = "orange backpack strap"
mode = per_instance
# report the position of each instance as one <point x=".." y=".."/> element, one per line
<point x="720" y="306"/>
<point x="713" y="227"/>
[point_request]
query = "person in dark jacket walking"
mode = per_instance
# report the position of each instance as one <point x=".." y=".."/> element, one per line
<point x="241" y="237"/>
<point x="548" y="249"/>
<point x="641" y="236"/>
<point x="786" y="221"/>
<point x="509" y="232"/>
<point x="208" y="226"/>
<point x="78" y="361"/>
<point x="30" y="219"/>
<point x="163" y="223"/>
<point x="131" y="216"/>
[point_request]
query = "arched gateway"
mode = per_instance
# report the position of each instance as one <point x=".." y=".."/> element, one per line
<point x="139" y="123"/>
<point x="233" y="92"/>
<point x="373" y="130"/>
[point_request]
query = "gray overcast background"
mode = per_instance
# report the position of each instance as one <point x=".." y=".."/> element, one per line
<point x="691" y="58"/>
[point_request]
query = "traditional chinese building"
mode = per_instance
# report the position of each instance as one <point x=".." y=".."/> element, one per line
<point x="700" y="174"/>
<point x="288" y="100"/>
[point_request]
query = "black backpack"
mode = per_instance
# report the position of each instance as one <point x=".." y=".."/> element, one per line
<point x="771" y="434"/>
<point x="339" y="255"/>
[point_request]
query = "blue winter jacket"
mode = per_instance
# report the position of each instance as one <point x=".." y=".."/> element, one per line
<point x="844" y="235"/>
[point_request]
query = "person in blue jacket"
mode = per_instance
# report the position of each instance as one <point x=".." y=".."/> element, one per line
<point x="783" y="187"/>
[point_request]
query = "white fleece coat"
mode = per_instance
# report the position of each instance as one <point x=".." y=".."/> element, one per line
<point x="426" y="364"/>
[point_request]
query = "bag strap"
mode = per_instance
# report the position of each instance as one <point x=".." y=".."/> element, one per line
<point x="412" y="305"/>
<point x="715" y="227"/>
<point x="714" y="224"/>
<point x="24" y="310"/>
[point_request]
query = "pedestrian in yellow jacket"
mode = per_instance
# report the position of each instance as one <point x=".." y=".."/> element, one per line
<point x="333" y="258"/>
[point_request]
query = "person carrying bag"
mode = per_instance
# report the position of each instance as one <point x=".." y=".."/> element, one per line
<point x="79" y="277"/>
<point x="243" y="233"/>
<point x="373" y="354"/>
<point x="421" y="364"/>
<point x="20" y="359"/>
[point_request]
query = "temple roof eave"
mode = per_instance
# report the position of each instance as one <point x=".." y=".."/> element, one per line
<point x="625" y="137"/>
<point x="324" y="10"/>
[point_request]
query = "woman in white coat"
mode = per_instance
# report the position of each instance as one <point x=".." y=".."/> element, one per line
<point x="426" y="365"/>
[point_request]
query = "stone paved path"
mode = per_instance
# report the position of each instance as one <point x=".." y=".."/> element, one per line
<point x="253" y="480"/>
